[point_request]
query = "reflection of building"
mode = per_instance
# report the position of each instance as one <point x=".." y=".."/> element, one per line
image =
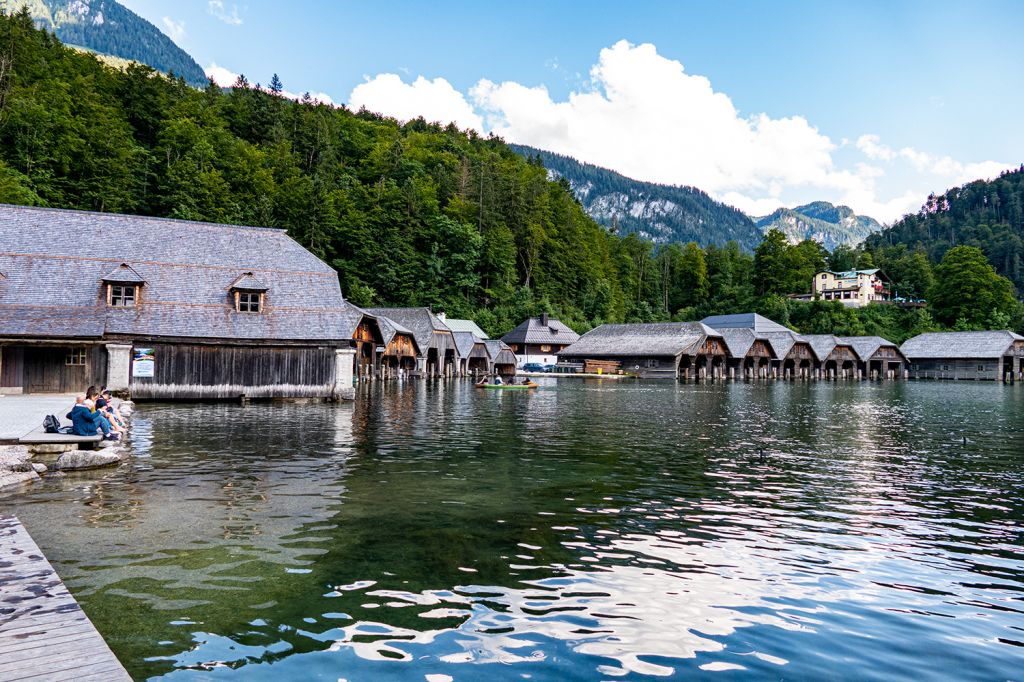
<point x="854" y="288"/>
<point x="994" y="355"/>
<point x="538" y="339"/>
<point x="226" y="310"/>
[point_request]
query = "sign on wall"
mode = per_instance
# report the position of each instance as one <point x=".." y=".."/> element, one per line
<point x="143" y="363"/>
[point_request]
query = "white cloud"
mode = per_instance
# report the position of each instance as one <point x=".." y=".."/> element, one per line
<point x="225" y="78"/>
<point x="217" y="9"/>
<point x="175" y="30"/>
<point x="434" y="100"/>
<point x="643" y="115"/>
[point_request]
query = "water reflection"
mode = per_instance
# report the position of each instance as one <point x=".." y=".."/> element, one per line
<point x="610" y="529"/>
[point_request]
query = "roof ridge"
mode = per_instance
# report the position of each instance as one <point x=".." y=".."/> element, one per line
<point x="129" y="216"/>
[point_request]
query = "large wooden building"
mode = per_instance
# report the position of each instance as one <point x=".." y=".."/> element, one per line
<point x="991" y="355"/>
<point x="836" y="359"/>
<point x="664" y="350"/>
<point x="397" y="354"/>
<point x="168" y="309"/>
<point x="791" y="356"/>
<point x="538" y="340"/>
<point x="438" y="354"/>
<point x="879" y="357"/>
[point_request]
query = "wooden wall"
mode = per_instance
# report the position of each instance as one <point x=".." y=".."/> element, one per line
<point x="980" y="368"/>
<point x="194" y="371"/>
<point x="44" y="369"/>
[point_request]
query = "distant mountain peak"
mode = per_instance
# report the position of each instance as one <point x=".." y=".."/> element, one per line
<point x="661" y="213"/>
<point x="821" y="221"/>
<point x="110" y="29"/>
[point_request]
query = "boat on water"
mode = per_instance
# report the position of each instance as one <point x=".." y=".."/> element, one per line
<point x="508" y="387"/>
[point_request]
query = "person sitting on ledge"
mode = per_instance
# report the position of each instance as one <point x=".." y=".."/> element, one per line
<point x="86" y="422"/>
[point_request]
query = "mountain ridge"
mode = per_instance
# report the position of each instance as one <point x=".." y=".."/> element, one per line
<point x="822" y="221"/>
<point x="110" y="29"/>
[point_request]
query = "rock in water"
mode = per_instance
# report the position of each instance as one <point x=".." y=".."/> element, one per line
<point x="87" y="459"/>
<point x="39" y="467"/>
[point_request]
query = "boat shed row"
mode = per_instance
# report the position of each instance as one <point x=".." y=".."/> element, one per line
<point x="731" y="346"/>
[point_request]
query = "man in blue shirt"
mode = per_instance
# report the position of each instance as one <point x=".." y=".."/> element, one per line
<point x="85" y="422"/>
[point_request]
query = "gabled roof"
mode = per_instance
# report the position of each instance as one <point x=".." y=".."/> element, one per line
<point x="500" y="352"/>
<point x="125" y="274"/>
<point x="867" y="346"/>
<point x="420" y="321"/>
<point x="464" y="342"/>
<point x="661" y="339"/>
<point x="782" y="342"/>
<point x="248" y="282"/>
<point x="389" y="329"/>
<point x="465" y="326"/>
<point x="532" y="330"/>
<point x="740" y="341"/>
<point x="758" y="323"/>
<point x="824" y="344"/>
<point x="850" y="274"/>
<point x="990" y="344"/>
<point x="53" y="282"/>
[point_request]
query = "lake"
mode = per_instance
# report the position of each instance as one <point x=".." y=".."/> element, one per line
<point x="588" y="530"/>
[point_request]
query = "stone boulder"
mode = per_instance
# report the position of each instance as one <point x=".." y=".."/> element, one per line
<point x="126" y="407"/>
<point x="87" y="459"/>
<point x="8" y="478"/>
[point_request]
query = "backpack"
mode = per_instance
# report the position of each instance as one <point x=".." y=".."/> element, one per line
<point x="51" y="424"/>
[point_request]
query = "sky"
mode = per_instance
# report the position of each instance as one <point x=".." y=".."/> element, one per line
<point x="870" y="104"/>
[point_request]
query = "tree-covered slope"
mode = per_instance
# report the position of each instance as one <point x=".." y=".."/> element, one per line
<point x="661" y="213"/>
<point x="825" y="223"/>
<point x="106" y="27"/>
<point x="985" y="214"/>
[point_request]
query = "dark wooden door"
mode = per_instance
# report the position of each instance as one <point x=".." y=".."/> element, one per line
<point x="44" y="369"/>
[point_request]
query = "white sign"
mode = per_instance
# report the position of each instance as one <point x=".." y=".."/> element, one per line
<point x="143" y="363"/>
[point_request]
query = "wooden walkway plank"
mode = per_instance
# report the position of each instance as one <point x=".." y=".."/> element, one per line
<point x="44" y="634"/>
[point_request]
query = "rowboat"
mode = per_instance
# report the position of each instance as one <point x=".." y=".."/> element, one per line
<point x="509" y="387"/>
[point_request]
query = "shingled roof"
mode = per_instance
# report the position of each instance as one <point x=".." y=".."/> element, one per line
<point x="661" y="339"/>
<point x="56" y="261"/>
<point x="464" y="342"/>
<point x="533" y="330"/>
<point x="992" y="344"/>
<point x="782" y="342"/>
<point x="757" y="323"/>
<point x="740" y="341"/>
<point x="867" y="346"/>
<point x="465" y="326"/>
<point x="499" y="352"/>
<point x="420" y="321"/>
<point x="389" y="328"/>
<point x="824" y="344"/>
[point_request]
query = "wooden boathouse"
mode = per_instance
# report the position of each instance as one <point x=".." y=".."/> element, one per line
<point x="791" y="355"/>
<point x="879" y="357"/>
<point x="473" y="356"/>
<point x="664" y="350"/>
<point x="396" y="356"/>
<point x="169" y="309"/>
<point x="986" y="356"/>
<point x="750" y="355"/>
<point x="438" y="354"/>
<point x="503" y="360"/>
<point x="836" y="359"/>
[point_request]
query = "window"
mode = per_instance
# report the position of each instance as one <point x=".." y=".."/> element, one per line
<point x="248" y="301"/>
<point x="824" y="276"/>
<point x="981" y="368"/>
<point x="651" y="362"/>
<point x="123" y="295"/>
<point x="75" y="357"/>
<point x="545" y="349"/>
<point x="945" y="368"/>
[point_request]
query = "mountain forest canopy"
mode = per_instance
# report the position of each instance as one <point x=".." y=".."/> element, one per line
<point x="408" y="214"/>
<point x="108" y="28"/>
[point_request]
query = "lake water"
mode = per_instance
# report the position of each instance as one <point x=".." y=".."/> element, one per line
<point x="588" y="530"/>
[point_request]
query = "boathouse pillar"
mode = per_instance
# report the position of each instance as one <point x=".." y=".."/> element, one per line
<point x="343" y="375"/>
<point x="119" y="362"/>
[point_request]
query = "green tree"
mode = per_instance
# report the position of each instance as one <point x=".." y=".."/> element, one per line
<point x="967" y="291"/>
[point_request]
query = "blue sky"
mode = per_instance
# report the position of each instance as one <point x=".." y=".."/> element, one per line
<point x="871" y="103"/>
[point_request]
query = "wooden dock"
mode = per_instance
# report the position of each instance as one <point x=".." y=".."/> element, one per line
<point x="44" y="634"/>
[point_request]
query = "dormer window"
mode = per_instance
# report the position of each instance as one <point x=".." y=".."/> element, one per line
<point x="249" y="294"/>
<point x="123" y="286"/>
<point x="123" y="295"/>
<point x="248" y="301"/>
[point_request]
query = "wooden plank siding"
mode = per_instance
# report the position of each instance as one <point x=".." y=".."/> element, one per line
<point x="198" y="371"/>
<point x="45" y="368"/>
<point x="44" y="634"/>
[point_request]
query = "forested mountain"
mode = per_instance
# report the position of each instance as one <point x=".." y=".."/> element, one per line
<point x="661" y="213"/>
<point x="829" y="225"/>
<point x="985" y="214"/>
<point x="105" y="27"/>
